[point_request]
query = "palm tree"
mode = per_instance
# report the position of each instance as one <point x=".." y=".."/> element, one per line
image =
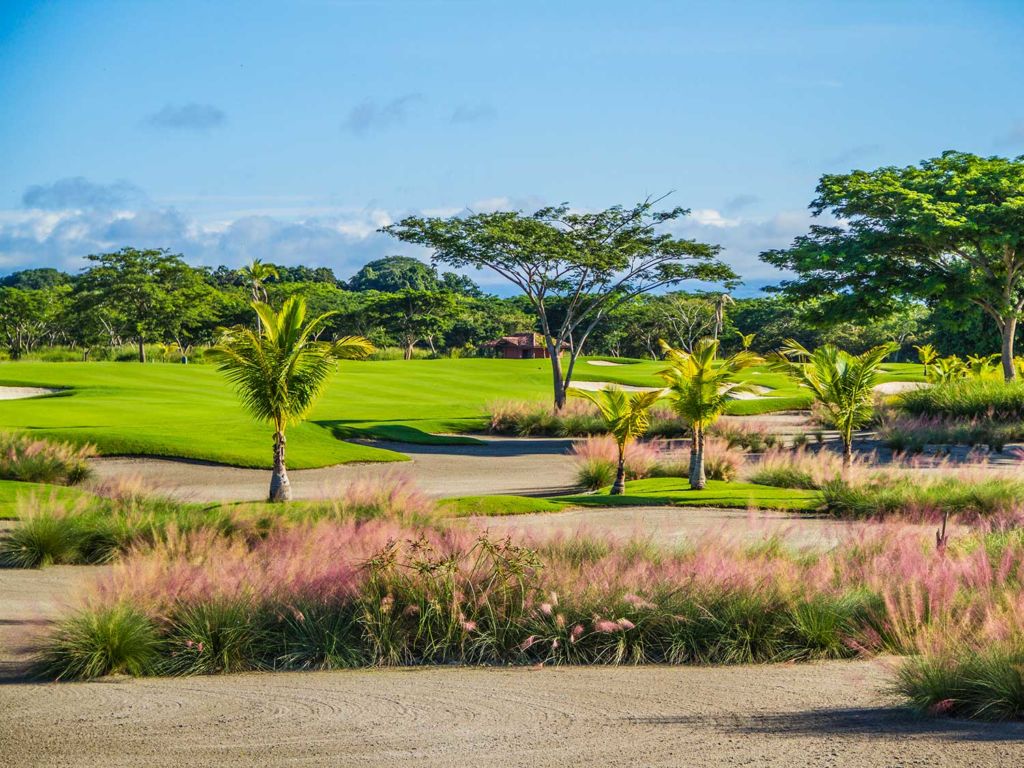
<point x="258" y="274"/>
<point x="746" y="339"/>
<point x="843" y="383"/>
<point x="627" y="417"/>
<point x="701" y="388"/>
<point x="280" y="370"/>
<point x="927" y="355"/>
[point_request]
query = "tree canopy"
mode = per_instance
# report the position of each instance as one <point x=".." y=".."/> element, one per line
<point x="950" y="229"/>
<point x="588" y="263"/>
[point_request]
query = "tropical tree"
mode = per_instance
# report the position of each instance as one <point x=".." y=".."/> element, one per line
<point x="257" y="274"/>
<point x="843" y="383"/>
<point x="927" y="355"/>
<point x="950" y="229"/>
<point x="280" y="370"/>
<point x="628" y="418"/>
<point x="746" y="339"/>
<point x="700" y="388"/>
<point x="574" y="268"/>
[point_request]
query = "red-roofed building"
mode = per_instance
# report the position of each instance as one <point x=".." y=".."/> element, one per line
<point x="520" y="346"/>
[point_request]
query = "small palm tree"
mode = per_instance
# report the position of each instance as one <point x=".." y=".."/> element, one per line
<point x="627" y="417"/>
<point x="927" y="355"/>
<point x="280" y="371"/>
<point x="258" y="274"/>
<point x="701" y="388"/>
<point x="746" y="339"/>
<point x="843" y="383"/>
<point x="981" y="366"/>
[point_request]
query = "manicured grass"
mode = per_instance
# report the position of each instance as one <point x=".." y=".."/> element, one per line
<point x="189" y="411"/>
<point x="12" y="490"/>
<point x="499" y="505"/>
<point x="675" y="491"/>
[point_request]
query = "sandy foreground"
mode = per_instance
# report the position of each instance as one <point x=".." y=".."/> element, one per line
<point x="825" y="714"/>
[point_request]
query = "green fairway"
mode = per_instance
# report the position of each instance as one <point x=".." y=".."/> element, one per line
<point x="189" y="411"/>
<point x="499" y="505"/>
<point x="675" y="491"/>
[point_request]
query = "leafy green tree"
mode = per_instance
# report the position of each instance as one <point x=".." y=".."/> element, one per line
<point x="628" y="417"/>
<point x="393" y="274"/>
<point x="411" y="316"/>
<point x="843" y="383"/>
<point x="148" y="294"/>
<point x="280" y="371"/>
<point x="700" y="388"/>
<point x="587" y="263"/>
<point x="29" y="315"/>
<point x="951" y="228"/>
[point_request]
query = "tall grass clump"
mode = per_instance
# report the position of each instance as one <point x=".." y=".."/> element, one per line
<point x="34" y="460"/>
<point x="577" y="418"/>
<point x="912" y="434"/>
<point x="358" y="593"/>
<point x="596" y="459"/>
<point x="967" y="399"/>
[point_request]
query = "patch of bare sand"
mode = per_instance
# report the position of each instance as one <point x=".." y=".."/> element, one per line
<point x="826" y="714"/>
<point x="536" y="466"/>
<point x="20" y="393"/>
<point x="672" y="526"/>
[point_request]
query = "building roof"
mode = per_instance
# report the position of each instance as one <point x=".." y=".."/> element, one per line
<point x="527" y="339"/>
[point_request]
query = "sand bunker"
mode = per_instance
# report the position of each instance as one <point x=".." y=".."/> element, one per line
<point x="602" y="362"/>
<point x="896" y="387"/>
<point x="20" y="393"/>
<point x="595" y="386"/>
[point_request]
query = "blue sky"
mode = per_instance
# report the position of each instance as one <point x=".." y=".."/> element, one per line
<point x="291" y="131"/>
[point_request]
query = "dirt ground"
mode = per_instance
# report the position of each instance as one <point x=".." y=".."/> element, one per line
<point x="836" y="714"/>
<point x="536" y="466"/>
<point x="830" y="714"/>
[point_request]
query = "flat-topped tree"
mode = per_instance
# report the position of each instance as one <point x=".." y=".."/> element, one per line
<point x="950" y="229"/>
<point x="586" y="263"/>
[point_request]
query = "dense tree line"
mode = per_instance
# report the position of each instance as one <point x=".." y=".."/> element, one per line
<point x="137" y="298"/>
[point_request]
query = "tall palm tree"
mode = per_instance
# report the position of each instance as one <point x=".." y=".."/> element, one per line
<point x="258" y="274"/>
<point x="843" y="383"/>
<point x="280" y="371"/>
<point x="627" y="417"/>
<point x="700" y="389"/>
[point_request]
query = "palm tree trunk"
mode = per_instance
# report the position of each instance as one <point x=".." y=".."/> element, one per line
<point x="619" y="486"/>
<point x="847" y="450"/>
<point x="697" y="477"/>
<point x="280" y="488"/>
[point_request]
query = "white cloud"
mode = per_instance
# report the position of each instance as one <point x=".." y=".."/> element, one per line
<point x="340" y="238"/>
<point x="187" y="117"/>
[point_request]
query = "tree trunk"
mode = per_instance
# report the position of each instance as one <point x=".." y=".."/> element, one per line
<point x="697" y="477"/>
<point x="556" y="373"/>
<point x="619" y="487"/>
<point x="408" y="350"/>
<point x="847" y="451"/>
<point x="142" y="350"/>
<point x="1009" y="331"/>
<point x="280" y="488"/>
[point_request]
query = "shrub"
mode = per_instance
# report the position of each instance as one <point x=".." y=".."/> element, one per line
<point x="597" y="457"/>
<point x="797" y="468"/>
<point x="911" y="434"/>
<point x="578" y="418"/>
<point x="34" y="460"/>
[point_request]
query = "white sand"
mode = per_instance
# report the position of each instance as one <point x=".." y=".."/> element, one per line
<point x="595" y="386"/>
<point x="602" y="362"/>
<point x="895" y="387"/>
<point x="20" y="393"/>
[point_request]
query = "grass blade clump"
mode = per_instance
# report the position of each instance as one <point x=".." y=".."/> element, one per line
<point x="116" y="639"/>
<point x="35" y="460"/>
